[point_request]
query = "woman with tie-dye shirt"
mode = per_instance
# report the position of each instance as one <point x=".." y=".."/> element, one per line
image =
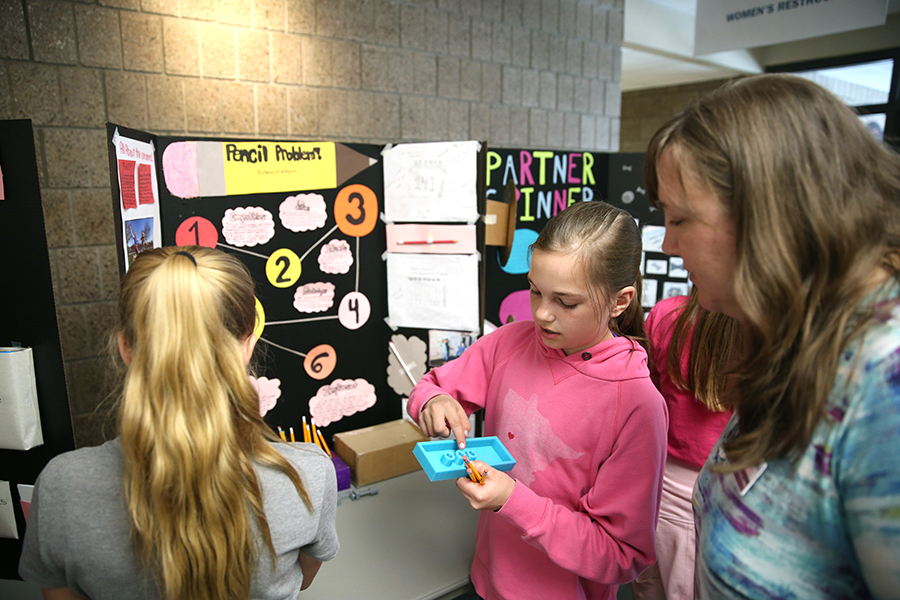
<point x="786" y="212"/>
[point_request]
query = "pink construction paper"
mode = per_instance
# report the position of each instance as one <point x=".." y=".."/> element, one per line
<point x="464" y="236"/>
<point x="180" y="169"/>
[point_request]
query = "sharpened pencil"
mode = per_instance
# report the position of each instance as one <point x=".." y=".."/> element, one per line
<point x="324" y="445"/>
<point x="474" y="475"/>
<point x="313" y="431"/>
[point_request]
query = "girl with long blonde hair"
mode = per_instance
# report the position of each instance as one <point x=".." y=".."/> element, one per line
<point x="179" y="506"/>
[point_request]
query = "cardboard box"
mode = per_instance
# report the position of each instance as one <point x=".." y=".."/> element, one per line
<point x="379" y="452"/>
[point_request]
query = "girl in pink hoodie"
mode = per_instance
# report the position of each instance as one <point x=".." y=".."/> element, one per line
<point x="569" y="394"/>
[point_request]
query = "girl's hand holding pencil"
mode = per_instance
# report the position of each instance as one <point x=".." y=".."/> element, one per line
<point x="491" y="492"/>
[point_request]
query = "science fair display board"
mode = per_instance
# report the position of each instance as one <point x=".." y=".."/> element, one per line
<point x="545" y="182"/>
<point x="341" y="240"/>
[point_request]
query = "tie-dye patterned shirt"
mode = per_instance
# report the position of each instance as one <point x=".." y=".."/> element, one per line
<point x="827" y="526"/>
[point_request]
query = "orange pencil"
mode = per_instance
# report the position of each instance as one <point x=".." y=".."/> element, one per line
<point x="324" y="445"/>
<point x="306" y="437"/>
<point x="291" y="429"/>
<point x="281" y="433"/>
<point x="313" y="431"/>
<point x="474" y="475"/>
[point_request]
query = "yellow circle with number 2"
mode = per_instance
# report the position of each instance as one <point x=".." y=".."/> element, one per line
<point x="283" y="268"/>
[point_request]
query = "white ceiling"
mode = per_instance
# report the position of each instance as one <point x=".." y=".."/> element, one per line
<point x="659" y="40"/>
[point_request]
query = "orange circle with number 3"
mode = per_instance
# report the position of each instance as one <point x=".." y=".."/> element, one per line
<point x="356" y="210"/>
<point x="320" y="361"/>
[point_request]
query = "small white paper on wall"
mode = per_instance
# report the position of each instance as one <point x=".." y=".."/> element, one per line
<point x="7" y="515"/>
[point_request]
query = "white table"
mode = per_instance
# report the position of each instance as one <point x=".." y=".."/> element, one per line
<point x="413" y="540"/>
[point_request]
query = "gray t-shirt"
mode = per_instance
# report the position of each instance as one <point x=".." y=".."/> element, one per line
<point x="78" y="528"/>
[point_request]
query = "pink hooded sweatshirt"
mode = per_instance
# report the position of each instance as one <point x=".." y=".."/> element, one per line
<point x="588" y="432"/>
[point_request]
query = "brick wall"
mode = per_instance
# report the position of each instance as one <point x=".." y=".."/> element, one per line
<point x="541" y="73"/>
<point x="645" y="111"/>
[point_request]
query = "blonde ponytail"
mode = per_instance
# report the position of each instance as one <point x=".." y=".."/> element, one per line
<point x="189" y="423"/>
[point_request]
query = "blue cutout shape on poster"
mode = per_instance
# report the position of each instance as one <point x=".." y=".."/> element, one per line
<point x="518" y="256"/>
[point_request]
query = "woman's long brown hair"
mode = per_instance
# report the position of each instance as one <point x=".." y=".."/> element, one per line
<point x="816" y="204"/>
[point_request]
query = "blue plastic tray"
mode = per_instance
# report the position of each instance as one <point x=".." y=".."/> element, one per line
<point x="442" y="459"/>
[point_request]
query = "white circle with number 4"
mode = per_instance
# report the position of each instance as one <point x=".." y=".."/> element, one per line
<point x="354" y="310"/>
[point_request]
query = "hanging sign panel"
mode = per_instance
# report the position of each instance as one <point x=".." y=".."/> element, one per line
<point x="736" y="24"/>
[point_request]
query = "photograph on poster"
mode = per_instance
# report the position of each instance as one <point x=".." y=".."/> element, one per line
<point x="657" y="267"/>
<point x="675" y="288"/>
<point x="676" y="268"/>
<point x="444" y="346"/>
<point x="138" y="236"/>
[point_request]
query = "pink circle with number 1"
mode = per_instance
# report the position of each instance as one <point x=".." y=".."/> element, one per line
<point x="354" y="310"/>
<point x="197" y="231"/>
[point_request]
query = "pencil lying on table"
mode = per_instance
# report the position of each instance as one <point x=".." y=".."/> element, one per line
<point x="474" y="475"/>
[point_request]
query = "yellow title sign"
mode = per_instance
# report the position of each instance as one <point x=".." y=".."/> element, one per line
<point x="267" y="167"/>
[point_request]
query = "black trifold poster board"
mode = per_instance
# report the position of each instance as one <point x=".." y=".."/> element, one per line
<point x="549" y="180"/>
<point x="307" y="219"/>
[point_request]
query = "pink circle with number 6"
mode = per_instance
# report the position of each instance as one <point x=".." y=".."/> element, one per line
<point x="197" y="231"/>
<point x="354" y="310"/>
<point x="320" y="361"/>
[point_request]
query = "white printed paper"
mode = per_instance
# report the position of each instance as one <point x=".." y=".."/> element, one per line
<point x="652" y="237"/>
<point x="20" y="417"/>
<point x="8" y="527"/>
<point x="431" y="182"/>
<point x="649" y="289"/>
<point x="433" y="291"/>
<point x="138" y="195"/>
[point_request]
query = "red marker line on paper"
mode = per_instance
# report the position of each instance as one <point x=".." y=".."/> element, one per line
<point x="406" y="243"/>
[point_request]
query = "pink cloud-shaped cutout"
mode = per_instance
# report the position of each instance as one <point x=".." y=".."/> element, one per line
<point x="336" y="257"/>
<point x="269" y="391"/>
<point x="248" y="226"/>
<point x="341" y="398"/>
